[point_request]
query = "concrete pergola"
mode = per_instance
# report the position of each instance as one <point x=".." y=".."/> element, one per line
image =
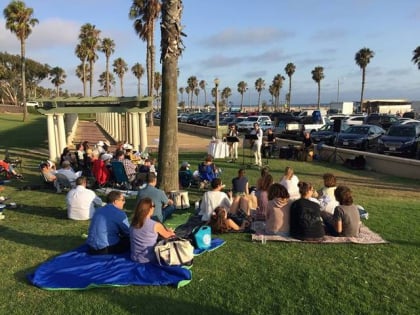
<point x="62" y="119"/>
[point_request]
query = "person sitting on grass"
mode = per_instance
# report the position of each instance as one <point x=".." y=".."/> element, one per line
<point x="290" y="181"/>
<point x="214" y="198"/>
<point x="9" y="169"/>
<point x="326" y="194"/>
<point x="109" y="229"/>
<point x="221" y="223"/>
<point x="277" y="219"/>
<point x="82" y="202"/>
<point x="262" y="196"/>
<point x="207" y="169"/>
<point x="305" y="216"/>
<point x="346" y="218"/>
<point x="144" y="232"/>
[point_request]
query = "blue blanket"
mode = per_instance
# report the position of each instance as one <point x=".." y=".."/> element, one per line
<point x="77" y="270"/>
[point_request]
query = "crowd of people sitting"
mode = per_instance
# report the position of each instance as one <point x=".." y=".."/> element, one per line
<point x="288" y="208"/>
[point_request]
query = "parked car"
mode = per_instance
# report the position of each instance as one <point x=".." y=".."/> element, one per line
<point x="353" y="120"/>
<point x="32" y="104"/>
<point x="362" y="137"/>
<point x="248" y="124"/>
<point x="182" y="116"/>
<point x="383" y="120"/>
<point x="401" y="140"/>
<point x="410" y="121"/>
<point x="325" y="134"/>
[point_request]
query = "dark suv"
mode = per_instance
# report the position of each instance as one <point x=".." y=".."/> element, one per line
<point x="382" y="120"/>
<point x="401" y="140"/>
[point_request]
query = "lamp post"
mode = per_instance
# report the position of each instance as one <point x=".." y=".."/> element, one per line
<point x="216" y="83"/>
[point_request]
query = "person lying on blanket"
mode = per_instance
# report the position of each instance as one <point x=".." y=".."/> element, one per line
<point x="346" y="218"/>
<point x="109" y="229"/>
<point x="144" y="232"/>
<point x="221" y="223"/>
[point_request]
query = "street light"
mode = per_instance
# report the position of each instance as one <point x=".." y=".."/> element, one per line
<point x="216" y="83"/>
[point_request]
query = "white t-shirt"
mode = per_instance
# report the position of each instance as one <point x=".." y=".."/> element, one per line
<point x="81" y="203"/>
<point x="291" y="186"/>
<point x="211" y="200"/>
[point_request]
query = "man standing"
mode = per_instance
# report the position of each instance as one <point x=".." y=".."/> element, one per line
<point x="164" y="206"/>
<point x="109" y="231"/>
<point x="81" y="202"/>
<point x="257" y="143"/>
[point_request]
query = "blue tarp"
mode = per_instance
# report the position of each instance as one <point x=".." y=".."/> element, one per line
<point x="77" y="270"/>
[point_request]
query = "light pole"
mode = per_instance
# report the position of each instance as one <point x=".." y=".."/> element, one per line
<point x="216" y="83"/>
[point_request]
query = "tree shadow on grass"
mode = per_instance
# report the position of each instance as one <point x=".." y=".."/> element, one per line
<point x="49" y="212"/>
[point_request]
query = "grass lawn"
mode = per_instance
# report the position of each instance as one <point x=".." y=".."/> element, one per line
<point x="242" y="277"/>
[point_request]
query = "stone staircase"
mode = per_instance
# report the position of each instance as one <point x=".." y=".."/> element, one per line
<point x="90" y="131"/>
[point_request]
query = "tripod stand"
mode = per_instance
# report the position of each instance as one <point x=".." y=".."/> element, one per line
<point x="334" y="153"/>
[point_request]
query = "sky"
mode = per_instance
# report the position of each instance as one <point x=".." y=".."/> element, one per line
<point x="243" y="40"/>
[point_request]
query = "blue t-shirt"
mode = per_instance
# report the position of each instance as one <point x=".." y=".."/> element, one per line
<point x="107" y="227"/>
<point x="158" y="197"/>
<point x="142" y="242"/>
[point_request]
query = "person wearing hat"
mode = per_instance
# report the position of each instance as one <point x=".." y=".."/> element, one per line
<point x="100" y="147"/>
<point x="185" y="175"/>
<point x="67" y="171"/>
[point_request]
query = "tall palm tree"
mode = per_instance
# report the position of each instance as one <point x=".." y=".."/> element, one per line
<point x="259" y="86"/>
<point x="188" y="91"/>
<point x="197" y="93"/>
<point x="242" y="88"/>
<point x="226" y="93"/>
<point x="145" y="13"/>
<point x="20" y="22"/>
<point x="362" y="59"/>
<point x="192" y="84"/>
<point x="277" y="85"/>
<point x="157" y="83"/>
<point x="138" y="72"/>
<point x="89" y="37"/>
<point x="108" y="48"/>
<point x="317" y="76"/>
<point x="202" y="86"/>
<point x="290" y="70"/>
<point x="120" y="68"/>
<point x="416" y="56"/>
<point x="171" y="48"/>
<point x="57" y="76"/>
<point x="81" y="52"/>
<point x="181" y="91"/>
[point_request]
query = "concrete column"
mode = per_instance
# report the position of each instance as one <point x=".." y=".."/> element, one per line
<point x="51" y="137"/>
<point x="136" y="131"/>
<point x="62" y="143"/>
<point x="143" y="132"/>
<point x="128" y="123"/>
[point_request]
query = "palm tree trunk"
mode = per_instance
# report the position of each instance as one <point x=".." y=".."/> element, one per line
<point x="138" y="88"/>
<point x="319" y="95"/>
<point x="168" y="140"/>
<point x="259" y="98"/>
<point x="363" y="88"/>
<point x="242" y="101"/>
<point x="91" y="78"/>
<point x="290" y="90"/>
<point x="107" y="76"/>
<point x="23" y="74"/>
<point x="84" y="78"/>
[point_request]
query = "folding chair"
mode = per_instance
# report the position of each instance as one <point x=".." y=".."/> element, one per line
<point x="120" y="176"/>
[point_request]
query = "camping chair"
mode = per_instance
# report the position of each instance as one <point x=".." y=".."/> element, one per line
<point x="61" y="182"/>
<point x="120" y="176"/>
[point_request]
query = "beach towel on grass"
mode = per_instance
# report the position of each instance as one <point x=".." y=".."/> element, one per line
<point x="77" y="270"/>
<point x="366" y="236"/>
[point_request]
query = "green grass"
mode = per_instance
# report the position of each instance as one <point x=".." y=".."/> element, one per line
<point x="242" y="277"/>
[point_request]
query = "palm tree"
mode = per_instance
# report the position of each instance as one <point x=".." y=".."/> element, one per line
<point x="259" y="86"/>
<point x="226" y="93"/>
<point x="416" y="56"/>
<point x="242" y="88"/>
<point x="106" y="85"/>
<point x="145" y="13"/>
<point x="290" y="70"/>
<point x="89" y="37"/>
<point x="181" y="91"/>
<point x="362" y="59"/>
<point x="157" y="82"/>
<point x="192" y="84"/>
<point x="171" y="48"/>
<point x="20" y="22"/>
<point x="317" y="76"/>
<point x="108" y="48"/>
<point x="120" y="68"/>
<point x="202" y="86"/>
<point x="277" y="85"/>
<point x="188" y="91"/>
<point x="138" y="72"/>
<point x="81" y="53"/>
<point x="57" y="76"/>
<point x="197" y="93"/>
